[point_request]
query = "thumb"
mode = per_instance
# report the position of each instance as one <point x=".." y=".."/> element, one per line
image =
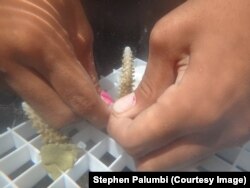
<point x="168" y="46"/>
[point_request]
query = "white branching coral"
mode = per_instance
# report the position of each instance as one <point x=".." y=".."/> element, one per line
<point x="49" y="135"/>
<point x="127" y="73"/>
<point x="57" y="154"/>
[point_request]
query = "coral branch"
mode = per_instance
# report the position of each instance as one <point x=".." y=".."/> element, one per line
<point x="57" y="153"/>
<point x="127" y="73"/>
<point x="49" y="135"/>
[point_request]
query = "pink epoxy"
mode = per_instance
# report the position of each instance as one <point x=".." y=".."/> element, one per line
<point x="106" y="98"/>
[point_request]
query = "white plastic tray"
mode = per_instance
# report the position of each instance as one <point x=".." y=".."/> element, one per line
<point x="20" y="163"/>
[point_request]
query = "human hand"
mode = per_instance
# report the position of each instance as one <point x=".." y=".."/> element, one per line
<point x="46" y="57"/>
<point x="194" y="98"/>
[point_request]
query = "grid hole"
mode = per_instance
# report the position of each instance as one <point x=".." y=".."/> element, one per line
<point x="32" y="137"/>
<point x="44" y="182"/>
<point x="107" y="158"/>
<point x="83" y="181"/>
<point x="21" y="169"/>
<point x="7" y="152"/>
<point x="89" y="144"/>
<point x="126" y="169"/>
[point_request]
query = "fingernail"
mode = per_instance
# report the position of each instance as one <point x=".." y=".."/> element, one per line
<point x="106" y="97"/>
<point x="125" y="103"/>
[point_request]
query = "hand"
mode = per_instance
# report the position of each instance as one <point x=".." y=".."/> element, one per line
<point x="46" y="57"/>
<point x="194" y="98"/>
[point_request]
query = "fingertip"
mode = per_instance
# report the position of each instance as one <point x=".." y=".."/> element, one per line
<point x="125" y="103"/>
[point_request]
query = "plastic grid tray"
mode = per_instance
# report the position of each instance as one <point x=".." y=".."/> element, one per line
<point x="20" y="163"/>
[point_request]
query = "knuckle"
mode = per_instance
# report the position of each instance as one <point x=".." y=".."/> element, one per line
<point x="155" y="38"/>
<point x="83" y="106"/>
<point x="86" y="39"/>
<point x="169" y="31"/>
<point x="22" y="39"/>
<point x="164" y="30"/>
<point x="26" y="38"/>
<point x="85" y="42"/>
<point x="145" y="90"/>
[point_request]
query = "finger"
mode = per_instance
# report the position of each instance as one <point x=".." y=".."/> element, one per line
<point x="39" y="95"/>
<point x="169" y="44"/>
<point x="72" y="83"/>
<point x="159" y="124"/>
<point x="183" y="153"/>
<point x="191" y="149"/>
<point x="81" y="37"/>
<point x="82" y="96"/>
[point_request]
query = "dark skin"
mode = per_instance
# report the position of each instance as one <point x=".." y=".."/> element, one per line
<point x="47" y="59"/>
<point x="194" y="97"/>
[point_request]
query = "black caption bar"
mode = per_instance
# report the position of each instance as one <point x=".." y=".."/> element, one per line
<point x="169" y="179"/>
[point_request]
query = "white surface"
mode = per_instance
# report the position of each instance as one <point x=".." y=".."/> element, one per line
<point x="22" y="144"/>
